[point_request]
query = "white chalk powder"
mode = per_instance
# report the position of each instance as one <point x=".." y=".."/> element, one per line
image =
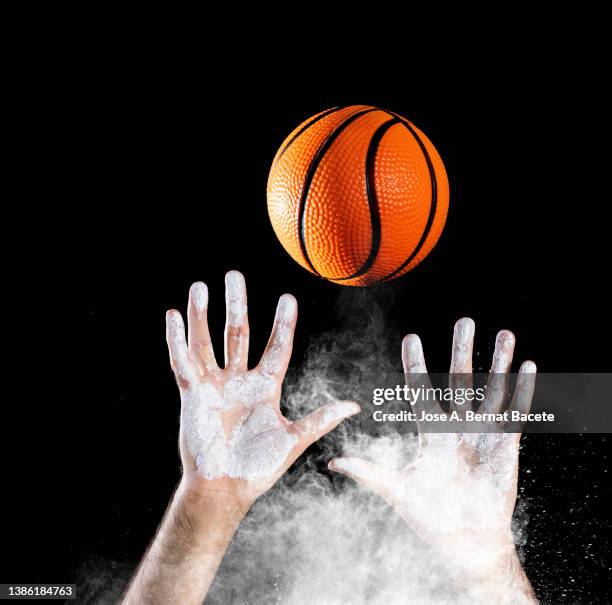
<point x="257" y="444"/>
<point x="272" y="361"/>
<point x="462" y="345"/>
<point x="504" y="348"/>
<point x="249" y="389"/>
<point x="442" y="495"/>
<point x="414" y="354"/>
<point x="199" y="293"/>
<point x="235" y="298"/>
<point x="338" y="411"/>
<point x="231" y="421"/>
<point x="361" y="552"/>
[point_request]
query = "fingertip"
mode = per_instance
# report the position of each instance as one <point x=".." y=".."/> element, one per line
<point x="173" y="317"/>
<point x="354" y="406"/>
<point x="337" y="465"/>
<point x="287" y="307"/>
<point x="411" y="343"/>
<point x="505" y="339"/>
<point x="199" y="295"/>
<point x="528" y="367"/>
<point x="339" y="411"/>
<point x="234" y="280"/>
<point x="340" y="465"/>
<point x="289" y="297"/>
<point x="175" y="327"/>
<point x="465" y="327"/>
<point x="328" y="417"/>
<point x="412" y="355"/>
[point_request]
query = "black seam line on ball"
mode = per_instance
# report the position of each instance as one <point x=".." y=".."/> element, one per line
<point x="434" y="198"/>
<point x="312" y="168"/>
<point x="372" y="199"/>
<point x="306" y="127"/>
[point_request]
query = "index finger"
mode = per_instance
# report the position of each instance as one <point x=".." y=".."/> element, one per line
<point x="275" y="358"/>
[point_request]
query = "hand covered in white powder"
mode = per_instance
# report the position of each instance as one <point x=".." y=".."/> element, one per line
<point x="458" y="494"/>
<point x="233" y="438"/>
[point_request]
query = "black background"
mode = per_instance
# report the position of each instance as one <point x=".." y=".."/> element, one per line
<point x="146" y="174"/>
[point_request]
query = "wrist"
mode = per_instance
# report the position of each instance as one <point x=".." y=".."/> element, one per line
<point x="481" y="554"/>
<point x="202" y="501"/>
<point x="190" y="543"/>
<point x="493" y="573"/>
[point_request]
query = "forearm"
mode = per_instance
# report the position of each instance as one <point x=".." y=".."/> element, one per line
<point x="182" y="561"/>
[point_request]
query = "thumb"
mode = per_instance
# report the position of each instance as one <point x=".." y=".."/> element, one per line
<point x="380" y="480"/>
<point x="315" y="425"/>
<point x="321" y="421"/>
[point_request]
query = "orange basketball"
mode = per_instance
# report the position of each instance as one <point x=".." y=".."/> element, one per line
<point x="357" y="195"/>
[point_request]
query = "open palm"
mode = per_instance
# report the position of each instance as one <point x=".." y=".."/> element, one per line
<point x="459" y="491"/>
<point x="233" y="437"/>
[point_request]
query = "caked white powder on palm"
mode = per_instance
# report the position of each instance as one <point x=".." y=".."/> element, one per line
<point x="259" y="442"/>
<point x="434" y="497"/>
<point x="234" y="428"/>
<point x="260" y="445"/>
<point x="206" y="440"/>
<point x="248" y="389"/>
<point x="440" y="492"/>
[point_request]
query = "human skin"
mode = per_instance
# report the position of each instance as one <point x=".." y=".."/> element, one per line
<point x="458" y="494"/>
<point x="234" y="442"/>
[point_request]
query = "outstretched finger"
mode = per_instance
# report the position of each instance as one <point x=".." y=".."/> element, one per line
<point x="275" y="358"/>
<point x="497" y="383"/>
<point x="412" y="355"/>
<point x="177" y="347"/>
<point x="461" y="359"/>
<point x="415" y="373"/>
<point x="200" y="343"/>
<point x="413" y="359"/>
<point x="378" y="479"/>
<point x="524" y="389"/>
<point x="236" y="322"/>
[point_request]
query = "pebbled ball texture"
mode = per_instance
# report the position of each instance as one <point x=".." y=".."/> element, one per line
<point x="357" y="195"/>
